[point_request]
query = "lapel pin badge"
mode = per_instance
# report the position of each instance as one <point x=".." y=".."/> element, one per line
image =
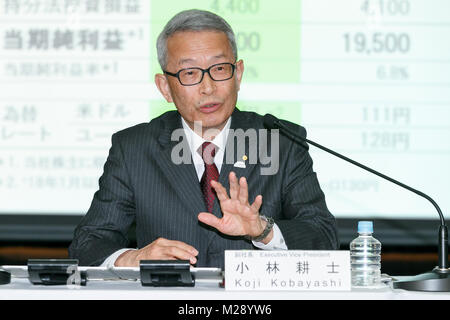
<point x="241" y="164"/>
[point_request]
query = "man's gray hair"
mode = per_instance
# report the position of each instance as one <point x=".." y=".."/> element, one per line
<point x="193" y="20"/>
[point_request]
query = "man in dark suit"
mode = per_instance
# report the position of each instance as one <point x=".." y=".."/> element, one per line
<point x="196" y="209"/>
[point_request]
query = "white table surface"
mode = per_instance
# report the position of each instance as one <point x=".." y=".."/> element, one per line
<point x="21" y="288"/>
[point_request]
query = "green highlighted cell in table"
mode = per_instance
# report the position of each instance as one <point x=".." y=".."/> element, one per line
<point x="158" y="107"/>
<point x="267" y="34"/>
<point x="286" y="110"/>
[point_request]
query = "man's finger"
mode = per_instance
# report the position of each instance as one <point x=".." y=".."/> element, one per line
<point x="257" y="203"/>
<point x="234" y="185"/>
<point x="163" y="248"/>
<point x="181" y="245"/>
<point x="209" y="219"/>
<point x="178" y="253"/>
<point x="243" y="191"/>
<point x="221" y="192"/>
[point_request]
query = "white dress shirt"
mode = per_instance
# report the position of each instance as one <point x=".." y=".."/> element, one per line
<point x="220" y="140"/>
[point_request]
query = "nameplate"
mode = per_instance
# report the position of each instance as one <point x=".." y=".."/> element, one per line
<point x="291" y="270"/>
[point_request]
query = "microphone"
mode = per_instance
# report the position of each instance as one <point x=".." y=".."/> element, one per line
<point x="5" y="277"/>
<point x="436" y="280"/>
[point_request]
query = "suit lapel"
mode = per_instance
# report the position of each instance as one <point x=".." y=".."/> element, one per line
<point x="238" y="121"/>
<point x="182" y="177"/>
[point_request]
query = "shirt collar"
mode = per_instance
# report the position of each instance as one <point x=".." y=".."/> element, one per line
<point x="195" y="141"/>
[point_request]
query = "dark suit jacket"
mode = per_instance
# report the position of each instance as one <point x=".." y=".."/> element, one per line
<point x="141" y="184"/>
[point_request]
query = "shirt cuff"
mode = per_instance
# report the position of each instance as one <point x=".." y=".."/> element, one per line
<point x="277" y="242"/>
<point x="109" y="262"/>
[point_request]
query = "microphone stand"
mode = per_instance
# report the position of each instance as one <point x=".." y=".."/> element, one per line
<point x="437" y="280"/>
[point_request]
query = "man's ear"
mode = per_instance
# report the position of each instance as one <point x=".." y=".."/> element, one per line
<point x="163" y="86"/>
<point x="239" y="73"/>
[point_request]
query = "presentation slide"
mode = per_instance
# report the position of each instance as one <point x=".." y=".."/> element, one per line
<point x="367" y="78"/>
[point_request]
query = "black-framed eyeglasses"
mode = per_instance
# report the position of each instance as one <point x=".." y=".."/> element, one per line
<point x="193" y="76"/>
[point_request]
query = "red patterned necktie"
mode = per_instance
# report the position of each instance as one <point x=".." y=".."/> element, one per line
<point x="211" y="173"/>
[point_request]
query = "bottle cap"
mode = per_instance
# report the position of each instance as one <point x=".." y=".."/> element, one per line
<point x="365" y="227"/>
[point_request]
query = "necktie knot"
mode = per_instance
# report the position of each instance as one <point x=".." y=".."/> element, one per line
<point x="208" y="152"/>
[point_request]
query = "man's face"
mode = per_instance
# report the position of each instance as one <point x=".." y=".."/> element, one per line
<point x="210" y="102"/>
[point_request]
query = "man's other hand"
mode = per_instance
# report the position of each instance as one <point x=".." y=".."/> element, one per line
<point x="160" y="249"/>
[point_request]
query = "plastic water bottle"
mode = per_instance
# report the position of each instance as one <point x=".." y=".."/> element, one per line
<point x="365" y="257"/>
